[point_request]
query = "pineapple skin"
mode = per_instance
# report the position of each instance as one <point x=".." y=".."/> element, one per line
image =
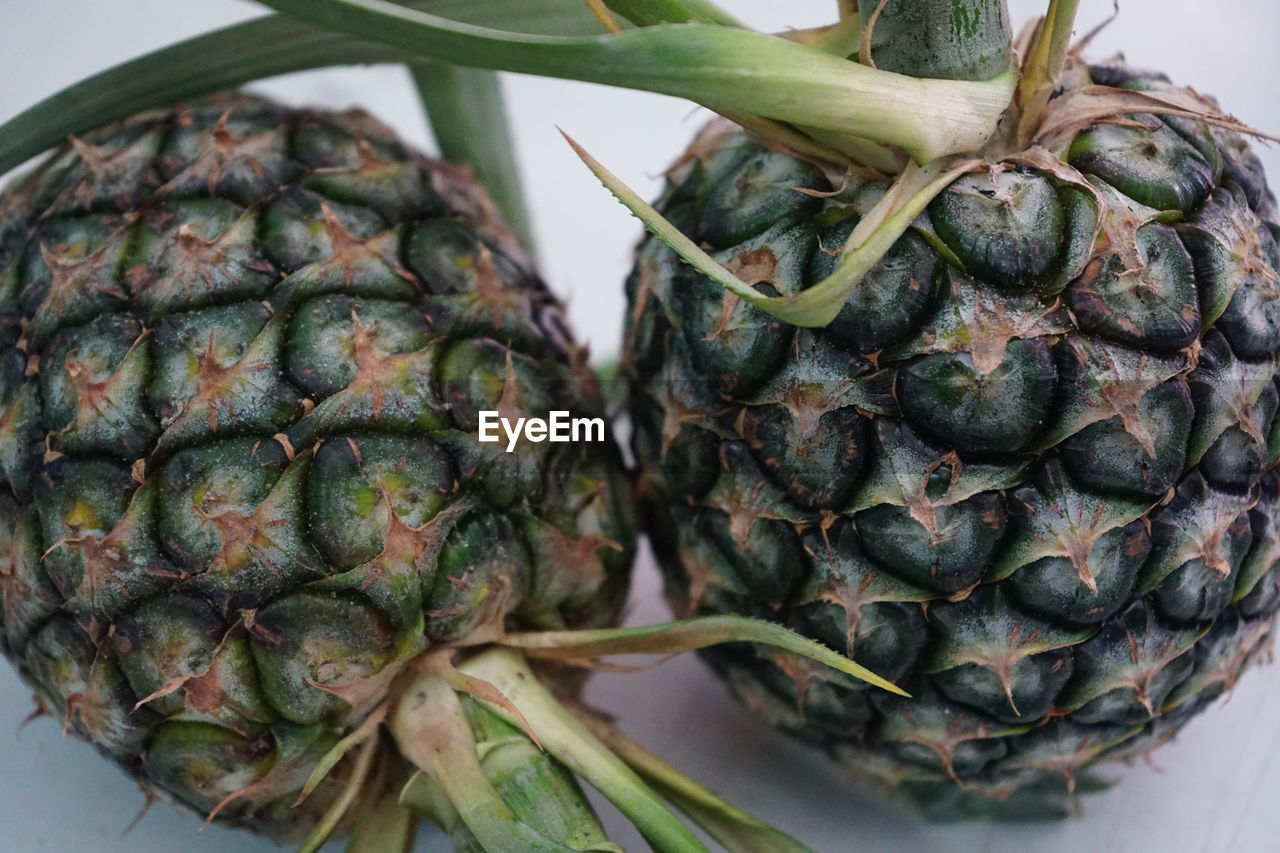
<point x="1028" y="473"/>
<point x="243" y="349"/>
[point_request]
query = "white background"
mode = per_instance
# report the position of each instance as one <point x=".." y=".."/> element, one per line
<point x="1214" y="789"/>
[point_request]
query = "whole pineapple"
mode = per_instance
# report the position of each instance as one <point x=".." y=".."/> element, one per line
<point x="1029" y="471"/>
<point x="244" y="348"/>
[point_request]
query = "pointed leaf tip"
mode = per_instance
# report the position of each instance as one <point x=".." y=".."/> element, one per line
<point x="817" y="306"/>
<point x="686" y="635"/>
<point x="736" y="830"/>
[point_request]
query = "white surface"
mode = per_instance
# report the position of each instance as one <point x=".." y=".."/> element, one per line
<point x="1212" y="790"/>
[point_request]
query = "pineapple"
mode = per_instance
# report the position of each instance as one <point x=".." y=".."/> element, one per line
<point x="261" y="542"/>
<point x="245" y="347"/>
<point x="1028" y="470"/>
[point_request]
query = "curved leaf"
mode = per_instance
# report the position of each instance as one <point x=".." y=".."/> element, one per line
<point x="649" y="12"/>
<point x="687" y="635"/>
<point x="432" y="731"/>
<point x="576" y="748"/>
<point x="736" y="830"/>
<point x="469" y="120"/>
<point x="233" y="56"/>
<point x="870" y="241"/>
<point x="721" y="67"/>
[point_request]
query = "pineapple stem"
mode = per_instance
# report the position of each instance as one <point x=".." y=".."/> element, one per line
<point x="469" y="119"/>
<point x="433" y="730"/>
<point x="1042" y="69"/>
<point x="946" y="39"/>
<point x="580" y="751"/>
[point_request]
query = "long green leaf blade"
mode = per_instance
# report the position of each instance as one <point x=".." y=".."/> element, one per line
<point x="425" y="797"/>
<point x="239" y="54"/>
<point x="687" y="635"/>
<point x="540" y="790"/>
<point x="1042" y="71"/>
<point x="720" y="67"/>
<point x="645" y="13"/>
<point x="737" y="831"/>
<point x="469" y="120"/>
<point x="725" y="68"/>
<point x="350" y="793"/>
<point x="818" y="305"/>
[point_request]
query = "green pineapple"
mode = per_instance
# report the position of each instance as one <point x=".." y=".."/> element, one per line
<point x="1028" y="471"/>
<point x="261" y="544"/>
<point x="245" y="347"/>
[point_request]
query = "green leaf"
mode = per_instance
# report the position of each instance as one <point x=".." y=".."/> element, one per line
<point x="1042" y="70"/>
<point x="432" y="731"/>
<point x="469" y="120"/>
<point x="817" y="146"/>
<point x="240" y="54"/>
<point x="736" y="830"/>
<point x="645" y="13"/>
<point x="353" y="788"/>
<point x="721" y="67"/>
<point x="577" y="749"/>
<point x="361" y="734"/>
<point x="425" y="797"/>
<point x="539" y="789"/>
<point x="839" y="39"/>
<point x="788" y="82"/>
<point x="870" y="241"/>
<point x="687" y="635"/>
